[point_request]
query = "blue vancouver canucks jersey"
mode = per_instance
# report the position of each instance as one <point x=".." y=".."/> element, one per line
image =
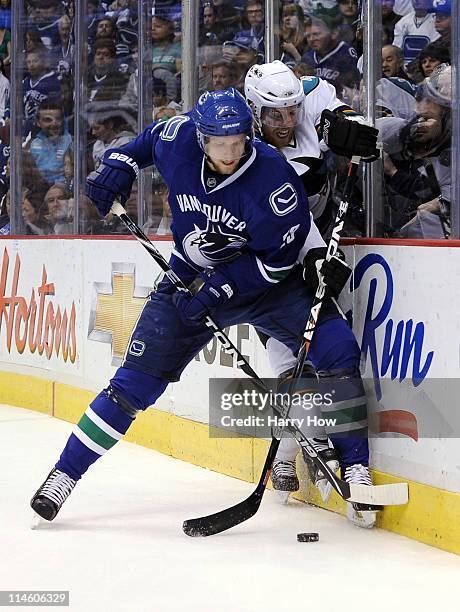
<point x="253" y="222"/>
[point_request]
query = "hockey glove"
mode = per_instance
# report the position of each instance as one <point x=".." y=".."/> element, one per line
<point x="347" y="137"/>
<point x="335" y="272"/>
<point x="215" y="290"/>
<point x="112" y="180"/>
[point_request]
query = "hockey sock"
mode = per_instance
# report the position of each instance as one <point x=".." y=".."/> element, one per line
<point x="100" y="428"/>
<point x="107" y="419"/>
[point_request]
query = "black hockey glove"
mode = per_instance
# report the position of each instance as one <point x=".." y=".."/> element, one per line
<point x="336" y="272"/>
<point x="346" y="137"/>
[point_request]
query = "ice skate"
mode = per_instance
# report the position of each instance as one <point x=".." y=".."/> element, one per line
<point x="284" y="479"/>
<point x="362" y="515"/>
<point x="330" y="456"/>
<point x="49" y="498"/>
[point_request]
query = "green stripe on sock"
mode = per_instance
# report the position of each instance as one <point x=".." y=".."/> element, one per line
<point x="348" y="415"/>
<point x="95" y="433"/>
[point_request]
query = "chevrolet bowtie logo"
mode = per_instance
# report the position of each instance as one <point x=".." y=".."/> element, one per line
<point x="115" y="309"/>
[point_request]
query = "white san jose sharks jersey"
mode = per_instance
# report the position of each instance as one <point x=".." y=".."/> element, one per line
<point x="255" y="223"/>
<point x="305" y="151"/>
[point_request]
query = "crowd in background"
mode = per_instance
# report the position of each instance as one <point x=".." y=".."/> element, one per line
<point x="323" y="38"/>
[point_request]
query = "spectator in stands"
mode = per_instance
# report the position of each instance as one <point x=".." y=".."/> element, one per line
<point x="33" y="42"/>
<point x="415" y="30"/>
<point x="4" y="93"/>
<point x="166" y="52"/>
<point x="292" y="34"/>
<point x="45" y="21"/>
<point x="32" y="213"/>
<point x="106" y="28"/>
<point x="431" y="56"/>
<point x="68" y="169"/>
<point x="5" y="42"/>
<point x="4" y="159"/>
<point x="425" y="143"/>
<point x="5" y="225"/>
<point x="5" y="14"/>
<point x="52" y="141"/>
<point x="59" y="209"/>
<point x="62" y="55"/>
<point x="393" y="62"/>
<point x="127" y="25"/>
<point x="302" y="69"/>
<point x="112" y="126"/>
<point x="163" y="113"/>
<point x="350" y="89"/>
<point x="314" y="7"/>
<point x="40" y="84"/>
<point x="31" y="177"/>
<point x="395" y="97"/>
<point x="328" y="57"/>
<point x="443" y="21"/>
<point x="224" y="75"/>
<point x="159" y="218"/>
<point x="389" y="20"/>
<point x="347" y="21"/>
<point x="161" y="98"/>
<point x="89" y="219"/>
<point x="211" y="31"/>
<point x="229" y="17"/>
<point x="103" y="74"/>
<point x="93" y="14"/>
<point x="254" y="15"/>
<point x="242" y="50"/>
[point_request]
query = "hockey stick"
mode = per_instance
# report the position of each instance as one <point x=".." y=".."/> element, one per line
<point x="386" y="494"/>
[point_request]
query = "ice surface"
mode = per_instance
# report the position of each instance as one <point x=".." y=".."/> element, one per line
<point x="117" y="543"/>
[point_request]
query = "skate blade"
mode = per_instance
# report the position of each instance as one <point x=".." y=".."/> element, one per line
<point x="361" y="518"/>
<point x="36" y="521"/>
<point x="325" y="489"/>
<point x="283" y="496"/>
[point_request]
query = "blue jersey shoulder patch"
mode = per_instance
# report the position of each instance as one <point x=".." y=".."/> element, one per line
<point x="309" y="83"/>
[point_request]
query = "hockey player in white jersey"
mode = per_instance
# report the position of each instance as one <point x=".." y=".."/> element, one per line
<point x="303" y="119"/>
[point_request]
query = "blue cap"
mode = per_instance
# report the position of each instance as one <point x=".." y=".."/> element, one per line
<point x="244" y="40"/>
<point x="442" y="6"/>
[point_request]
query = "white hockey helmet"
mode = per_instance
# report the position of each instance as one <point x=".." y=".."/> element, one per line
<point x="271" y="85"/>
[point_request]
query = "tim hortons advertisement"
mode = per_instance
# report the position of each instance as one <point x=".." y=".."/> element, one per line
<point x="39" y="308"/>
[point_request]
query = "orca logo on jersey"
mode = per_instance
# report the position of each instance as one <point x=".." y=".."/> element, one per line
<point x="211" y="245"/>
<point x="283" y="200"/>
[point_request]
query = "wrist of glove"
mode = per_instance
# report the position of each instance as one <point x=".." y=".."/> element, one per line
<point x="112" y="180"/>
<point x="212" y="289"/>
<point x="348" y="137"/>
<point x="335" y="272"/>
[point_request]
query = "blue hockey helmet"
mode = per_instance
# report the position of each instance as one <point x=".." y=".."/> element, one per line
<point x="222" y="113"/>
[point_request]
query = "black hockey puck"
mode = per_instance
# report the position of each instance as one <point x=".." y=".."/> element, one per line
<point x="308" y="537"/>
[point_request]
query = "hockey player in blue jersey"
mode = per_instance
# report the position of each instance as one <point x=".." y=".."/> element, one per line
<point x="241" y="225"/>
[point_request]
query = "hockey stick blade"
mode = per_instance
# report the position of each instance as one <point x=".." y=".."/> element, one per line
<point x="395" y="494"/>
<point x="230" y="517"/>
<point x="225" y="519"/>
